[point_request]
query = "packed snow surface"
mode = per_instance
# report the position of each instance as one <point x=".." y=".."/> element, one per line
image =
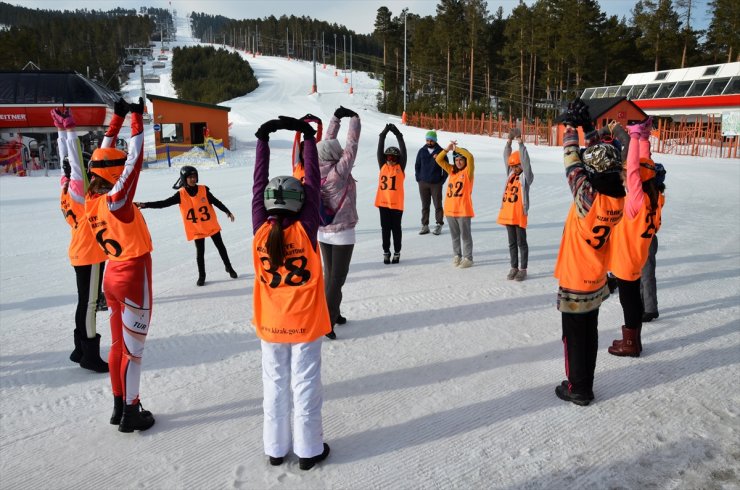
<point x="441" y="378"/>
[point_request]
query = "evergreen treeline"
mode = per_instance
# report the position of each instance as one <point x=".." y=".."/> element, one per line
<point x="206" y="74"/>
<point x="466" y="59"/>
<point x="293" y="36"/>
<point x="85" y="41"/>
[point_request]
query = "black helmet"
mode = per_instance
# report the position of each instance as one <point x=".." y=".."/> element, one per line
<point x="185" y="172"/>
<point x="392" y="150"/>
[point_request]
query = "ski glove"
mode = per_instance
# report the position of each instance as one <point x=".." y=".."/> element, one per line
<point x="121" y="108"/>
<point x="311" y="118"/>
<point x="138" y="107"/>
<point x="58" y="117"/>
<point x="263" y="133"/>
<point x="294" y="124"/>
<point x="344" y="112"/>
<point x="578" y="115"/>
<point x="514" y="133"/>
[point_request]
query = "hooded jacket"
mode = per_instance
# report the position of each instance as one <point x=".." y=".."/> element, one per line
<point x="337" y="175"/>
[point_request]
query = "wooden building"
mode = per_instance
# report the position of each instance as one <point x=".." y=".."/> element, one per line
<point x="186" y="122"/>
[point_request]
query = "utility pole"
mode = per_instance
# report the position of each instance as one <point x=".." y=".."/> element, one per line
<point x="335" y="55"/>
<point x="351" y="89"/>
<point x="287" y="46"/>
<point x="313" y="88"/>
<point x="403" y="115"/>
<point x="323" y="52"/>
<point x="344" y="61"/>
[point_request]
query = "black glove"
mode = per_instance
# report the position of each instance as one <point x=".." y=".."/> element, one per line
<point x="393" y="129"/>
<point x="578" y="115"/>
<point x="66" y="168"/>
<point x="263" y="133"/>
<point x="137" y="108"/>
<point x="297" y="125"/>
<point x="121" y="107"/>
<point x="385" y="130"/>
<point x="344" y="112"/>
<point x="311" y="118"/>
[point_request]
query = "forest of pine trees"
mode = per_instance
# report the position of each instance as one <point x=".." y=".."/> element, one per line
<point x="464" y="58"/>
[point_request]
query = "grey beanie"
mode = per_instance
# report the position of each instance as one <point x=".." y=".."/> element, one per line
<point x="329" y="150"/>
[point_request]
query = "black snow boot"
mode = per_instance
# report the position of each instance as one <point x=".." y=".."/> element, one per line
<point x="135" y="418"/>
<point x="115" y="419"/>
<point x="91" y="355"/>
<point x="76" y="354"/>
<point x="308" y="463"/>
<point x="564" y="392"/>
<point x="232" y="273"/>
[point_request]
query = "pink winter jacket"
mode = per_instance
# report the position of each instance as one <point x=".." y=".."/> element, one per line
<point x="337" y="177"/>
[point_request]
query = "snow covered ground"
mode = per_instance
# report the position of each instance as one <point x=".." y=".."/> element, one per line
<point x="442" y="378"/>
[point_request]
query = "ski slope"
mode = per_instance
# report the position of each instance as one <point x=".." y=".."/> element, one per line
<point x="442" y="378"/>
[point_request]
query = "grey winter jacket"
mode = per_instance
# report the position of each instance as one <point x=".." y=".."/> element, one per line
<point x="339" y="178"/>
<point x="526" y="177"/>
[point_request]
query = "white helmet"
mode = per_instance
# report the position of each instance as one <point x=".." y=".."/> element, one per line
<point x="284" y="193"/>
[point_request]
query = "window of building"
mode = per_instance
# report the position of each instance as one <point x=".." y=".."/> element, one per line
<point x="611" y="91"/>
<point x="681" y="89"/>
<point x="698" y="88"/>
<point x="717" y="86"/>
<point x="649" y="91"/>
<point x="665" y="90"/>
<point x="624" y="90"/>
<point x="172" y="133"/>
<point x="712" y="70"/>
<point x="733" y="87"/>
<point x="661" y="76"/>
<point x="588" y="93"/>
<point x="636" y="91"/>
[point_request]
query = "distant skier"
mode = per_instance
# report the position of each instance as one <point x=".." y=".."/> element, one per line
<point x="290" y="312"/>
<point x="390" y="194"/>
<point x="199" y="218"/>
<point x="85" y="255"/>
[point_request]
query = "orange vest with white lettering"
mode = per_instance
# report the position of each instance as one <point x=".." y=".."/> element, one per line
<point x="584" y="248"/>
<point x="512" y="205"/>
<point x="390" y="187"/>
<point x="631" y="241"/>
<point x="120" y="241"/>
<point x="289" y="303"/>
<point x="459" y="196"/>
<point x="299" y="172"/>
<point x="198" y="214"/>
<point x="83" y="249"/>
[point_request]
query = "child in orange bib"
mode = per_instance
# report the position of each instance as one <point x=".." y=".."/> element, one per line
<point x="515" y="204"/>
<point x="199" y="218"/>
<point x="458" y="203"/>
<point x="389" y="197"/>
<point x="290" y="313"/>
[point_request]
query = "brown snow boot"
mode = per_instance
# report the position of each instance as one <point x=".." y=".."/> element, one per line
<point x="629" y="345"/>
<point x="618" y="343"/>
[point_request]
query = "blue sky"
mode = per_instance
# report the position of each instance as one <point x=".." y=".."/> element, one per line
<point x="358" y="15"/>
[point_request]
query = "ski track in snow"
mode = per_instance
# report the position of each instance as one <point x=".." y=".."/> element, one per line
<point x="442" y="378"/>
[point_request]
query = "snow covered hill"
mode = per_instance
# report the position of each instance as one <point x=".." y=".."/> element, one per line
<point x="442" y="378"/>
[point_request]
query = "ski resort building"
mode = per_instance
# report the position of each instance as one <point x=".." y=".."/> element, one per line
<point x="691" y="94"/>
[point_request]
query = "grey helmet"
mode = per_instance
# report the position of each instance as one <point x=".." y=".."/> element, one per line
<point x="284" y="193"/>
<point x="186" y="171"/>
<point x="393" y="150"/>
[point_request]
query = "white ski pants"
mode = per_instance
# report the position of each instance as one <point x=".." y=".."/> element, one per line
<point x="295" y="367"/>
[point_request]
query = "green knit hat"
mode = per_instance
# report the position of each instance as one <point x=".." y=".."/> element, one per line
<point x="432" y="135"/>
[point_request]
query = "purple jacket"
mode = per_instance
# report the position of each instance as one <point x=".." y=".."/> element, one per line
<point x="309" y="214"/>
<point x="339" y="177"/>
